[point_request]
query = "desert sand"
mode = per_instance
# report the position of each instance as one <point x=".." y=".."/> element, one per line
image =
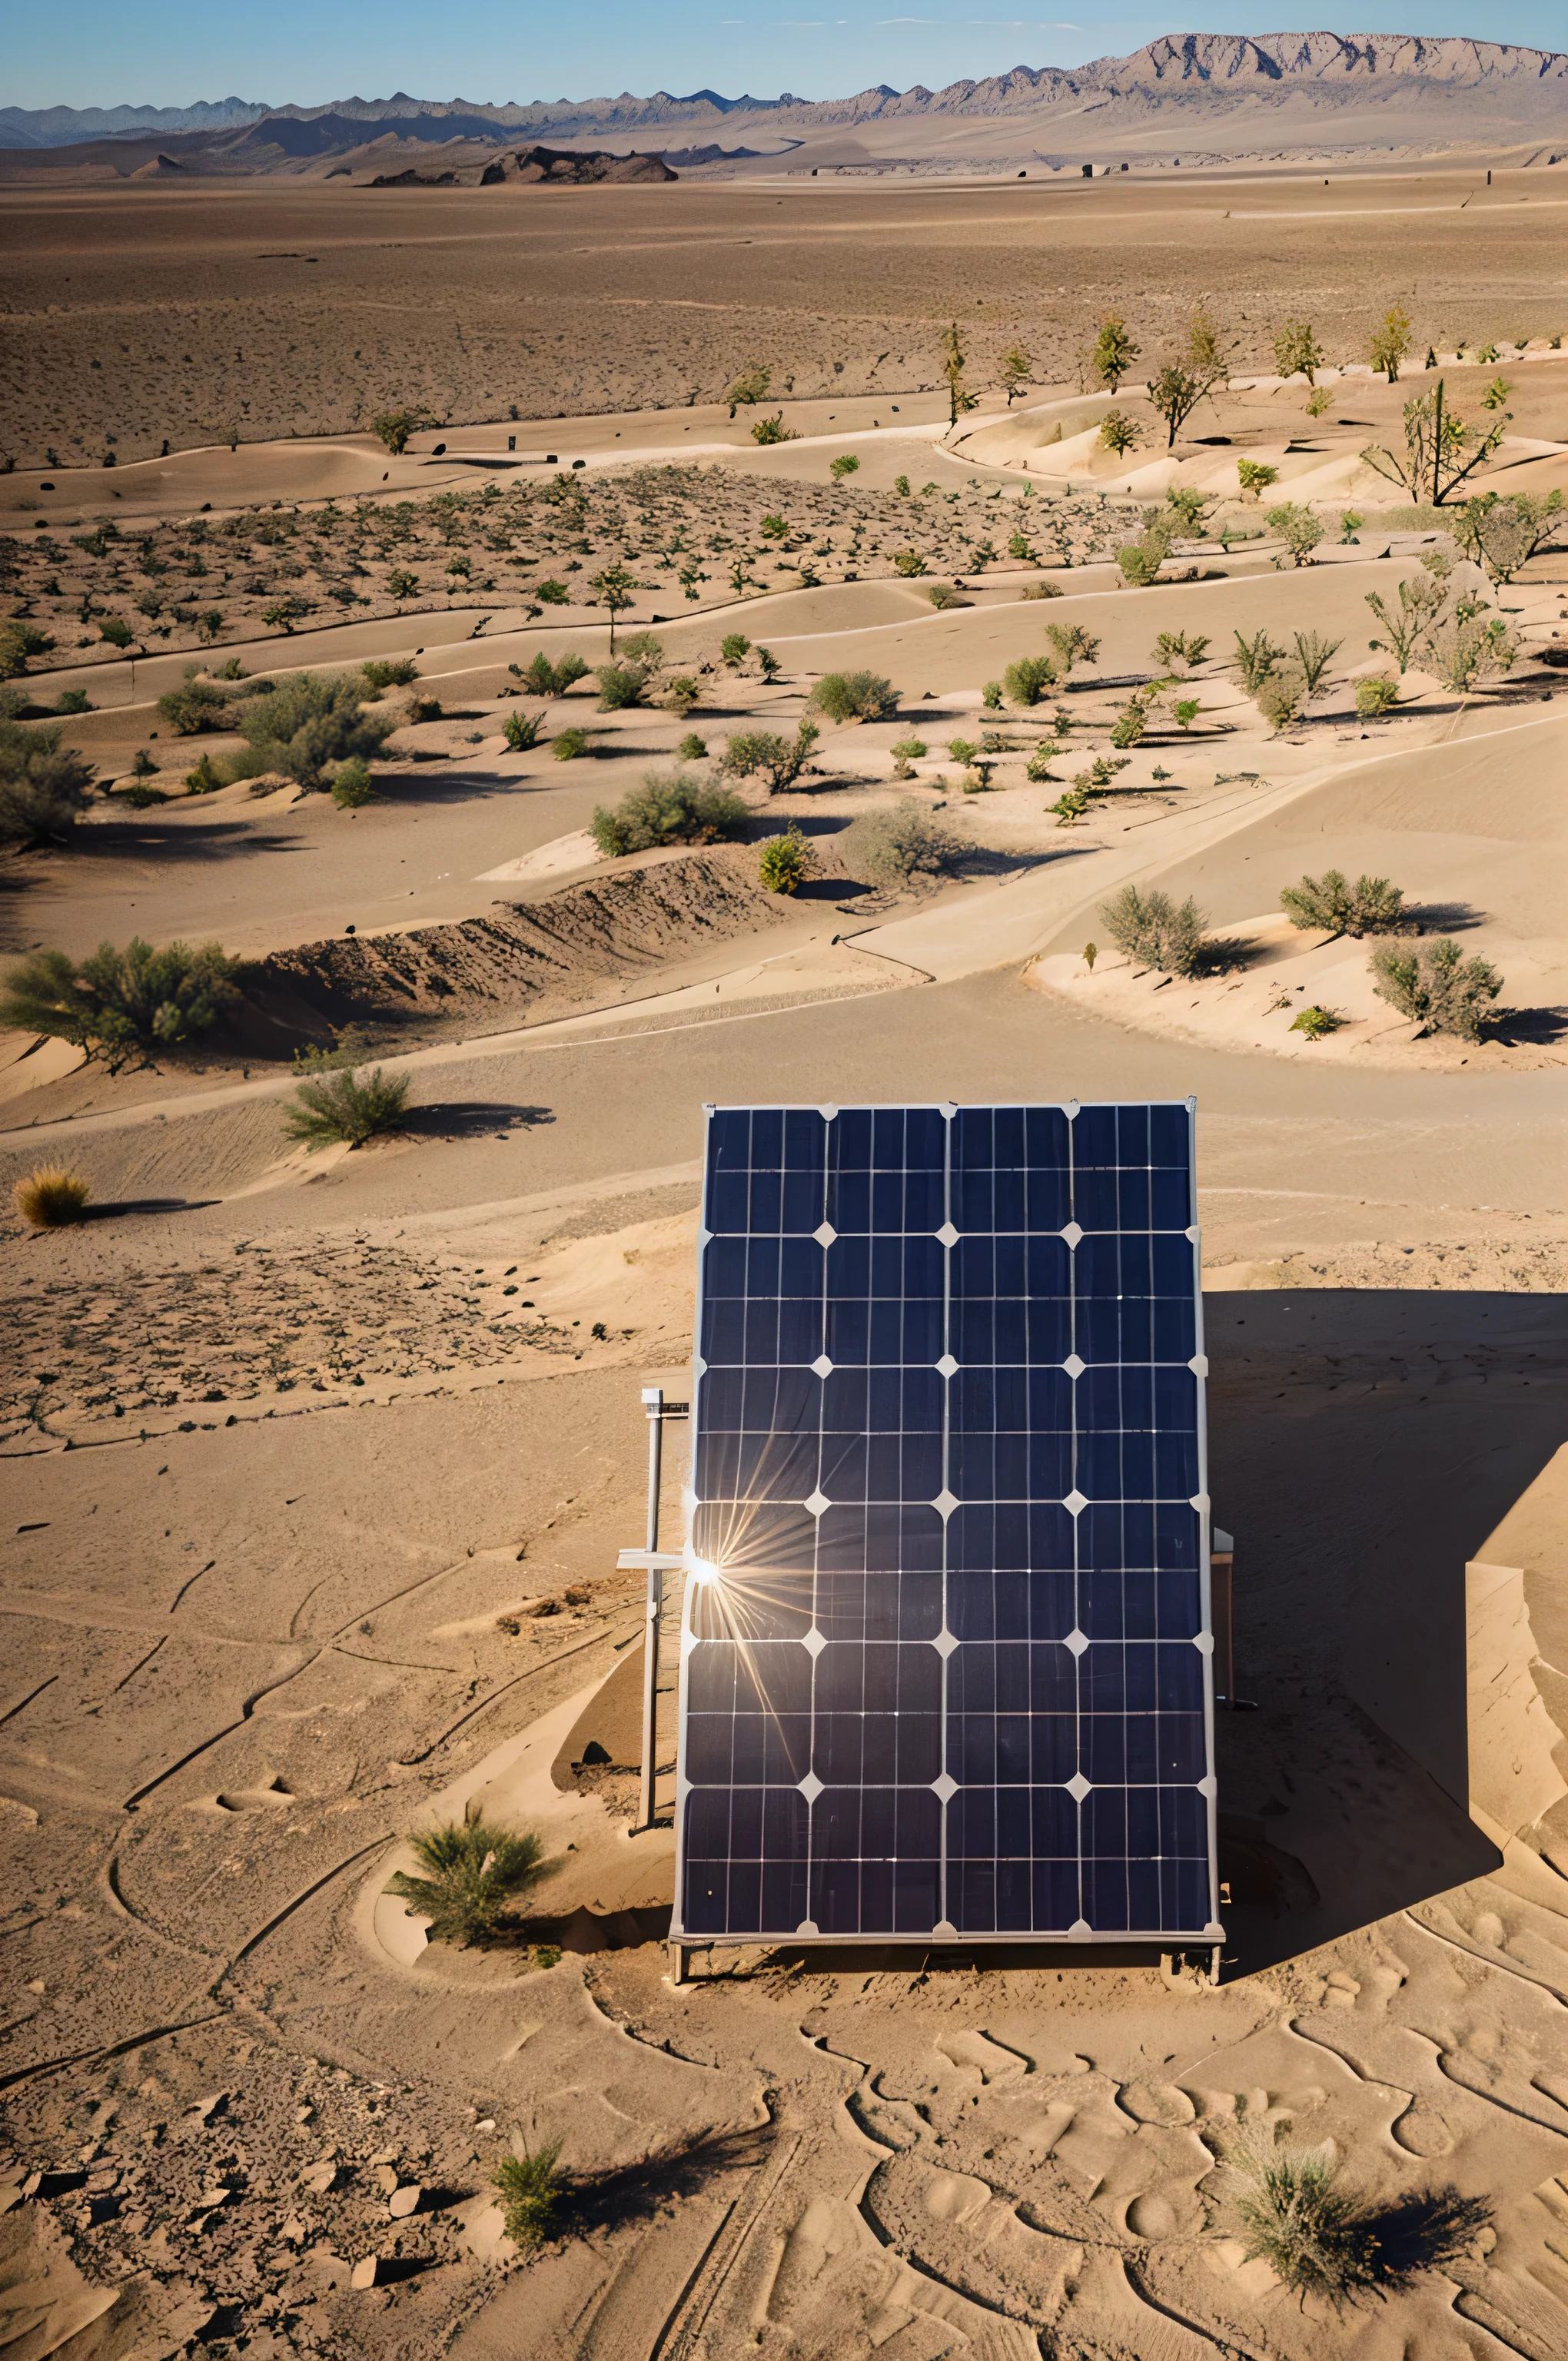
<point x="387" y="1396"/>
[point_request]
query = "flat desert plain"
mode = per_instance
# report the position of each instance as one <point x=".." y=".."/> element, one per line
<point x="386" y="1395"/>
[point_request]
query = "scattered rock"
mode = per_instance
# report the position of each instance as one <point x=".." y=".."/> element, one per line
<point x="405" y="2201"/>
<point x="363" y="2274"/>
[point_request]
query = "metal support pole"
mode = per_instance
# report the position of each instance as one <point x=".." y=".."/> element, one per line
<point x="653" y="1404"/>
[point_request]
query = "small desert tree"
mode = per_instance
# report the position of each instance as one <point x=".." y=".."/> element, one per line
<point x="1422" y="598"/>
<point x="1255" y="477"/>
<point x="1152" y="931"/>
<point x="469" y="1876"/>
<point x="954" y="362"/>
<point x="1119" y="432"/>
<point x="1504" y="534"/>
<point x="44" y="786"/>
<point x="1115" y="355"/>
<point x="616" y="590"/>
<point x="1192" y="377"/>
<point x="750" y="387"/>
<point x="1391" y="342"/>
<point x="1440" y="450"/>
<point x="1371" y="906"/>
<point x="765" y="754"/>
<point x="1018" y="369"/>
<point x="1469" y="648"/>
<point x="1437" y="987"/>
<point x="395" y="426"/>
<point x="546" y="679"/>
<point x="1297" y="352"/>
<point x="1281" y="697"/>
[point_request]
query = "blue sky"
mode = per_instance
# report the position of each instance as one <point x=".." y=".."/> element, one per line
<point x="101" y="53"/>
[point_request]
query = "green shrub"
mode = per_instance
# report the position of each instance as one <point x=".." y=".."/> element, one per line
<point x="1130" y="723"/>
<point x="469" y="1874"/>
<point x="351" y="787"/>
<point x="206" y="778"/>
<point x="677" y="809"/>
<point x="778" y="761"/>
<point x="1141" y="560"/>
<point x="547" y="679"/>
<point x="1186" y="709"/>
<point x="682" y="691"/>
<point x="855" y="697"/>
<point x="73" y="700"/>
<point x="1468" y="649"/>
<point x="308" y="724"/>
<point x="1180" y="648"/>
<point x="1255" y="477"/>
<point x="692" y="749"/>
<point x="1370" y="906"/>
<point x="521" y="730"/>
<point x="621" y="685"/>
<point x="786" y="861"/>
<point x="44" y="786"/>
<point x="1256" y="659"/>
<point x="395" y="426"/>
<point x="845" y="464"/>
<point x="569" y="744"/>
<point x="644" y="648"/>
<point x="908" y="562"/>
<point x="552" y="593"/>
<point x="1037" y="769"/>
<point x="1437" y="987"/>
<point x="906" y="751"/>
<point x="1028" y="677"/>
<point x="1152" y="931"/>
<point x="1315" y="1022"/>
<point x="734" y="647"/>
<point x="943" y="596"/>
<point x="1042" y="591"/>
<point x="1071" y="806"/>
<point x="390" y="672"/>
<point x="1314" y="654"/>
<point x="895" y="847"/>
<point x="1377" y="695"/>
<point x="18" y="642"/>
<point x="197" y="704"/>
<point x="1298" y="527"/>
<point x="1073" y="644"/>
<point x="530" y="2187"/>
<point x="1281" y="697"/>
<point x="768" y="663"/>
<point x="343" y="1108"/>
<point x="121" y="1006"/>
<point x="991" y="697"/>
<point x="401" y="584"/>
<point x="750" y="387"/>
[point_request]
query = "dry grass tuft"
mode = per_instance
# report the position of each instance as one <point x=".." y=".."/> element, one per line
<point x="51" y="1197"/>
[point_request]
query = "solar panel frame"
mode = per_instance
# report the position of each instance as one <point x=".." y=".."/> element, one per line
<point x="788" y="1871"/>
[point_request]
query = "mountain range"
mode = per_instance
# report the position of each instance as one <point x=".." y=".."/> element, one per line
<point x="1216" y="94"/>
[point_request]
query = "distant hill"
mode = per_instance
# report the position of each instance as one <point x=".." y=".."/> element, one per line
<point x="1209" y="95"/>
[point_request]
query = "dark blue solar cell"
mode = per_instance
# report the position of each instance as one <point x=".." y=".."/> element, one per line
<point x="1005" y="1640"/>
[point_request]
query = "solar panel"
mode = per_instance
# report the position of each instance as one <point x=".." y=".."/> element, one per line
<point x="946" y="1658"/>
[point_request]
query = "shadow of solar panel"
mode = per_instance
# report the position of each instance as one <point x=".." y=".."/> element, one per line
<point x="946" y="1664"/>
